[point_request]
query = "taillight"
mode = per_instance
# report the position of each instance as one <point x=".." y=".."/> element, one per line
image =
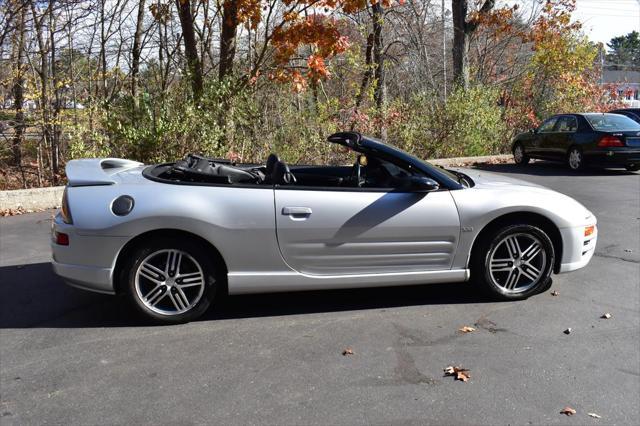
<point x="610" y="141"/>
<point x="62" y="239"/>
<point x="65" y="212"/>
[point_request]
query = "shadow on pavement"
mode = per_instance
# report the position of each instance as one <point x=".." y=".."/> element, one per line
<point x="548" y="168"/>
<point x="33" y="297"/>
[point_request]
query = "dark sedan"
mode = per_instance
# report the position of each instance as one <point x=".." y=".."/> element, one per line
<point x="632" y="113"/>
<point x="580" y="140"/>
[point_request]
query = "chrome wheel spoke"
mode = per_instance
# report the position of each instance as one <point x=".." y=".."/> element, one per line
<point x="177" y="302"/>
<point x="500" y="265"/>
<point x="512" y="279"/>
<point x="174" y="258"/>
<point x="155" y="295"/>
<point x="152" y="273"/>
<point x="531" y="251"/>
<point x="513" y="246"/>
<point x="179" y="295"/>
<point x="530" y="272"/>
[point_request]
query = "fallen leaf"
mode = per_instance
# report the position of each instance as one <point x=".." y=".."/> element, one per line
<point x="460" y="373"/>
<point x="467" y="329"/>
<point x="594" y="415"/>
<point x="347" y="351"/>
<point x="555" y="293"/>
<point x="568" y="411"/>
<point x="606" y="316"/>
<point x="567" y="331"/>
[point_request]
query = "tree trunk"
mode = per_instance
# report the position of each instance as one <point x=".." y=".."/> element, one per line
<point x="44" y="74"/>
<point x="135" y="54"/>
<point x="190" y="47"/>
<point x="55" y="126"/>
<point x="460" y="43"/>
<point x="228" y="38"/>
<point x="380" y="91"/>
<point x="462" y="31"/>
<point x="368" y="59"/>
<point x="18" y="91"/>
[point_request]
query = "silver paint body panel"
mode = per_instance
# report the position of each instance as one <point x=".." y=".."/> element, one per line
<point x="295" y="239"/>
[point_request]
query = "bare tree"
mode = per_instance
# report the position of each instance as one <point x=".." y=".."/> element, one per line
<point x="463" y="28"/>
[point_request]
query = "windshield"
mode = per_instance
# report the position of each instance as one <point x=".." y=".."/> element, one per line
<point x="611" y="122"/>
<point x="435" y="169"/>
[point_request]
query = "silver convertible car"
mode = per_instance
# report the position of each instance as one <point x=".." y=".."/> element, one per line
<point x="174" y="236"/>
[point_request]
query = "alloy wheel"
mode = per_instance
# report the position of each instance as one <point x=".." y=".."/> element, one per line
<point x="518" y="154"/>
<point x="169" y="282"/>
<point x="517" y="263"/>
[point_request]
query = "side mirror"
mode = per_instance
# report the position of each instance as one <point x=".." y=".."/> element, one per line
<point x="421" y="184"/>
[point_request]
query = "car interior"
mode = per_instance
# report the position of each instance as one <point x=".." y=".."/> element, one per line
<point x="366" y="172"/>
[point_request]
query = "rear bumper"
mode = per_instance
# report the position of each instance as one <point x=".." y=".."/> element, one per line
<point x="85" y="277"/>
<point x="615" y="157"/>
<point x="577" y="249"/>
<point x="88" y="261"/>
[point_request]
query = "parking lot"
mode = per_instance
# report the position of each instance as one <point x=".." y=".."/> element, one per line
<point x="69" y="356"/>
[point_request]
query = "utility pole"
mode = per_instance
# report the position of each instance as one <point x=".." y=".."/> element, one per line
<point x="444" y="52"/>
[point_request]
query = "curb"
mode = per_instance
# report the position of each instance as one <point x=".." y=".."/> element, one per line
<point x="49" y="198"/>
<point x="31" y="199"/>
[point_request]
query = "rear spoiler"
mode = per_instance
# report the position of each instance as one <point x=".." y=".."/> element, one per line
<point x="96" y="171"/>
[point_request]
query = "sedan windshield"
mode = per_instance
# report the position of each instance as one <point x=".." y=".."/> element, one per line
<point x="611" y="122"/>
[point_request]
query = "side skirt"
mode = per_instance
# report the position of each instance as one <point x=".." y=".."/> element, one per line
<point x="271" y="282"/>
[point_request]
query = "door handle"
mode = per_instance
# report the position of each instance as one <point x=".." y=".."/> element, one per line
<point x="296" y="212"/>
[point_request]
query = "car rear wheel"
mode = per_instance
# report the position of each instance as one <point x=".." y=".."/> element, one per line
<point x="171" y="281"/>
<point x="575" y="159"/>
<point x="519" y="156"/>
<point x="515" y="262"/>
<point x="632" y="167"/>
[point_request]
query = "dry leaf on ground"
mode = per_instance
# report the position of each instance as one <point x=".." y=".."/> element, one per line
<point x="555" y="293"/>
<point x="568" y="411"/>
<point x="594" y="415"/>
<point x="606" y="316"/>
<point x="347" y="351"/>
<point x="567" y="331"/>
<point x="467" y="329"/>
<point x="459" y="372"/>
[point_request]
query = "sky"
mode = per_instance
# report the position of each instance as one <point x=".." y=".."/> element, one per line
<point x="604" y="19"/>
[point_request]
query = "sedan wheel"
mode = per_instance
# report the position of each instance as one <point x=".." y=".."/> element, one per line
<point x="171" y="282"/>
<point x="519" y="157"/>
<point x="517" y="262"/>
<point x="575" y="159"/>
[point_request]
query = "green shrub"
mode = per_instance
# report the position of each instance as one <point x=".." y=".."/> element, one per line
<point x="469" y="123"/>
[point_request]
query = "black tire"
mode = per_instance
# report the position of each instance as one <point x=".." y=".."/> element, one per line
<point x="520" y="159"/>
<point x="632" y="167"/>
<point x="575" y="159"/>
<point x="495" y="283"/>
<point x="194" y="254"/>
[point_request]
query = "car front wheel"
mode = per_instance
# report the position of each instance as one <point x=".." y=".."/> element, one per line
<point x="171" y="281"/>
<point x="515" y="263"/>
<point x="632" y="167"/>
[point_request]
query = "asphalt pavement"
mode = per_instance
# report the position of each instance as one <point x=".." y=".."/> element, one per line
<point x="73" y="357"/>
